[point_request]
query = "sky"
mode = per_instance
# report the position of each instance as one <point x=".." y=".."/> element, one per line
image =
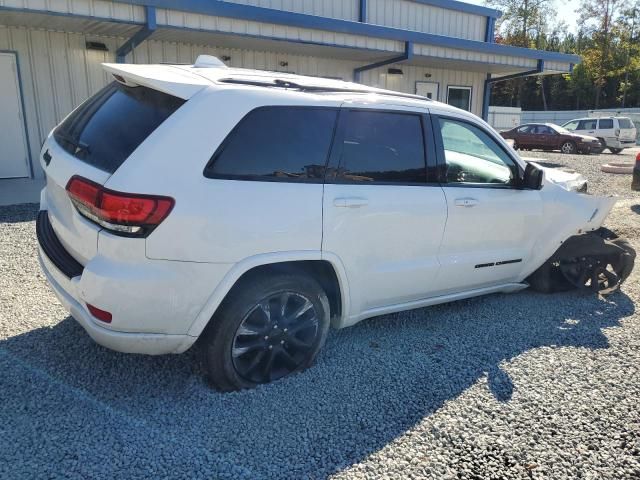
<point x="565" y="8"/>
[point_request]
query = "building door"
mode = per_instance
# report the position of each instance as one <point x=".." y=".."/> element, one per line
<point x="14" y="159"/>
<point x="427" y="89"/>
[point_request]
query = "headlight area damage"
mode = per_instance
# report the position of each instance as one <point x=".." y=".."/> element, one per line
<point x="597" y="261"/>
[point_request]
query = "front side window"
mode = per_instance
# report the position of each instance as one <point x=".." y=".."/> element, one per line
<point x="605" y="123"/>
<point x="472" y="156"/>
<point x="525" y="129"/>
<point x="587" y="125"/>
<point x="459" y="97"/>
<point x="108" y="127"/>
<point x="571" y="125"/>
<point x="382" y="147"/>
<point x="276" y="143"/>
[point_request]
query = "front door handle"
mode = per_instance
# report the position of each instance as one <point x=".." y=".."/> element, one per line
<point x="350" y="202"/>
<point x="466" y="202"/>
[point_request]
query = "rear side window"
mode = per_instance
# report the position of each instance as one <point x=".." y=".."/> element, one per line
<point x="276" y="143"/>
<point x="625" y="123"/>
<point x="382" y="147"/>
<point x="605" y="123"/>
<point x="109" y="126"/>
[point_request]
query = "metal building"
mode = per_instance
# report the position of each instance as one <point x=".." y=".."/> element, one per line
<point x="51" y="51"/>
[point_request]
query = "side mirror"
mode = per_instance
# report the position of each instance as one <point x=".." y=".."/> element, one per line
<point x="532" y="178"/>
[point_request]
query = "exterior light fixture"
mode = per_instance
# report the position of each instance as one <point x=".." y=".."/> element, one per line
<point x="96" y="46"/>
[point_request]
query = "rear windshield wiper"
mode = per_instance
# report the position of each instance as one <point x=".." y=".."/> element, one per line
<point x="77" y="144"/>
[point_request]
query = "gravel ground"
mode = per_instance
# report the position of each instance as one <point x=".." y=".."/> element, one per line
<point x="505" y="386"/>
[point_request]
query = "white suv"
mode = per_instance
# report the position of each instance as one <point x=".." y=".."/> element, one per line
<point x="615" y="133"/>
<point x="254" y="209"/>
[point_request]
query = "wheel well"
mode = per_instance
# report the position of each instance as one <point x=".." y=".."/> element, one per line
<point x="320" y="270"/>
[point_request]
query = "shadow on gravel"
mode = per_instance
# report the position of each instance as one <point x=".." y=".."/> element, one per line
<point x="635" y="208"/>
<point x="68" y="405"/>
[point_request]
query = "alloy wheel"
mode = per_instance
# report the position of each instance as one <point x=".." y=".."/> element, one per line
<point x="276" y="337"/>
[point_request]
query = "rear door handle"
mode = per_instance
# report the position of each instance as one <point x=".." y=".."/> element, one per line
<point x="466" y="202"/>
<point x="350" y="202"/>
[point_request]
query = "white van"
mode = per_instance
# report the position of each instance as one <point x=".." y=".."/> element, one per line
<point x="616" y="133"/>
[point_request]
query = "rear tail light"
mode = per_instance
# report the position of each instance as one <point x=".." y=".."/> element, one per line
<point x="638" y="160"/>
<point x="101" y="315"/>
<point x="128" y="214"/>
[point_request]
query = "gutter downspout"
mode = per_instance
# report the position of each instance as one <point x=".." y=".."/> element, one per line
<point x="491" y="80"/>
<point x="138" y="37"/>
<point x="408" y="55"/>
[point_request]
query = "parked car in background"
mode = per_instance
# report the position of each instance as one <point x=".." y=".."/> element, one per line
<point x="302" y="203"/>
<point x="615" y="133"/>
<point x="548" y="136"/>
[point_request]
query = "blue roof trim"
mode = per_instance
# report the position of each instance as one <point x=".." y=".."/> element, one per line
<point x="138" y="37"/>
<point x="461" y="7"/>
<point x="408" y="55"/>
<point x="302" y="20"/>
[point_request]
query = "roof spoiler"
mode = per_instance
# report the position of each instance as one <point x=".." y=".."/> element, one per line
<point x="164" y="78"/>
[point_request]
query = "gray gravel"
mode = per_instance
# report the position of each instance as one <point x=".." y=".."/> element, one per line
<point x="506" y="386"/>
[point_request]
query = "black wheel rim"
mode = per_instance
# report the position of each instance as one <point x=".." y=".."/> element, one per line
<point x="595" y="274"/>
<point x="275" y="338"/>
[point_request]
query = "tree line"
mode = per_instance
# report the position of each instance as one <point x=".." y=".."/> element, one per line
<point x="608" y="40"/>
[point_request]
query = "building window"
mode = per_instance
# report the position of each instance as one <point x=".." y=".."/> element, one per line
<point x="459" y="97"/>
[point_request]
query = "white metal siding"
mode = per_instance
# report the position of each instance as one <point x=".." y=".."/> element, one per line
<point x="412" y="74"/>
<point x="96" y="8"/>
<point x="344" y="9"/>
<point x="426" y="18"/>
<point x="175" y="18"/>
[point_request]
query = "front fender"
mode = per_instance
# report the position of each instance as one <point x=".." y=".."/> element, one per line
<point x="565" y="214"/>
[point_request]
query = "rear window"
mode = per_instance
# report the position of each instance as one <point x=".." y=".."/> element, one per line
<point x="625" y="123"/>
<point x="109" y="126"/>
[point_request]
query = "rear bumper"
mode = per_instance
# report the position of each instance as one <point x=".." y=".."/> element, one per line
<point x="615" y="143"/>
<point x="146" y="343"/>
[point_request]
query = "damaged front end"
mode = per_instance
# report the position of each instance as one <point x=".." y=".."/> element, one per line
<point x="574" y="250"/>
<point x="597" y="261"/>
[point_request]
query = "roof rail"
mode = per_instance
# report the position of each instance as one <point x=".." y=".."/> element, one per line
<point x="287" y="84"/>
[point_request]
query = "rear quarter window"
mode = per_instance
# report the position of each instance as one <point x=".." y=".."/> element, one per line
<point x="625" y="123"/>
<point x="276" y="143"/>
<point x="108" y="127"/>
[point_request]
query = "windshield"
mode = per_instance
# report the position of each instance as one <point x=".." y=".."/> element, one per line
<point x="559" y="129"/>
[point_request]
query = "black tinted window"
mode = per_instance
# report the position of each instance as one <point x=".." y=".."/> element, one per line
<point x="606" y="123"/>
<point x="109" y="126"/>
<point x="290" y="143"/>
<point x="384" y="147"/>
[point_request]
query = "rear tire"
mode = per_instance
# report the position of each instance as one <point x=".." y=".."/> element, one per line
<point x="266" y="328"/>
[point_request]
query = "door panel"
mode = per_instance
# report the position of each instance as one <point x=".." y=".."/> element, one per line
<point x="500" y="225"/>
<point x="427" y="89"/>
<point x="14" y="161"/>
<point x="380" y="216"/>
<point x="491" y="226"/>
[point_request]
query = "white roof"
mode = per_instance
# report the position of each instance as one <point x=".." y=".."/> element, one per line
<point x="185" y="81"/>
